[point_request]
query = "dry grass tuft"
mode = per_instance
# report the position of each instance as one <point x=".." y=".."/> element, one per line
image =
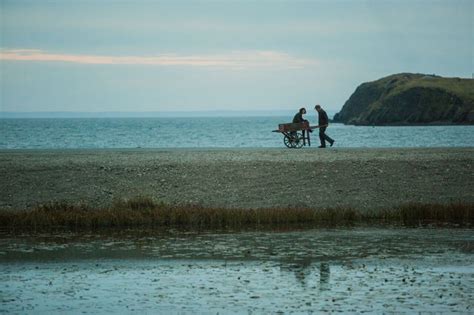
<point x="145" y="212"/>
<point x="457" y="213"/>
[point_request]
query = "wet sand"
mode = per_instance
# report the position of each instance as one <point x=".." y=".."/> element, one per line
<point x="376" y="270"/>
<point x="246" y="178"/>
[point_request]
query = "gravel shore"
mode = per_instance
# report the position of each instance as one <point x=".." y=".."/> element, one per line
<point x="246" y="178"/>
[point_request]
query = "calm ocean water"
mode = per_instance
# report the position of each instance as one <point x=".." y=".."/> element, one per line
<point x="202" y="132"/>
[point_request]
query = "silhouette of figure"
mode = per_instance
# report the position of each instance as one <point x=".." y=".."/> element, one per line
<point x="323" y="121"/>
<point x="298" y="118"/>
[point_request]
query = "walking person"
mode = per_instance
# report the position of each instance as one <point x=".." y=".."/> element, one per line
<point x="323" y="122"/>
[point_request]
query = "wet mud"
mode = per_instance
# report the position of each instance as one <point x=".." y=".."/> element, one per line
<point x="319" y="270"/>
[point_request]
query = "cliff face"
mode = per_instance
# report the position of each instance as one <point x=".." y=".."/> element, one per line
<point x="410" y="99"/>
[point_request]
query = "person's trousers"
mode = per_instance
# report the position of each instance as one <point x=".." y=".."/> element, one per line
<point x="323" y="137"/>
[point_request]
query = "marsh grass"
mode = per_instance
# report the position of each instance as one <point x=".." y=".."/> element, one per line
<point x="145" y="212"/>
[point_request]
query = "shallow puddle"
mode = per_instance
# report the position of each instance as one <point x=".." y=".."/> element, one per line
<point x="347" y="270"/>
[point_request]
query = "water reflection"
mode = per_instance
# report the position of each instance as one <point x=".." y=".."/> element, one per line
<point x="300" y="267"/>
<point x="303" y="269"/>
<point x="308" y="271"/>
<point x="296" y="251"/>
<point x="324" y="273"/>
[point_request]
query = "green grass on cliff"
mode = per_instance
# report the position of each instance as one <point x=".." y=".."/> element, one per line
<point x="408" y="98"/>
<point x="404" y="81"/>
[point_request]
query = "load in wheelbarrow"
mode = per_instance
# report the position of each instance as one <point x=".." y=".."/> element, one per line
<point x="296" y="135"/>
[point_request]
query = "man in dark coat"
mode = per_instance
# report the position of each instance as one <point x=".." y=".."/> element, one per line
<point x="323" y="122"/>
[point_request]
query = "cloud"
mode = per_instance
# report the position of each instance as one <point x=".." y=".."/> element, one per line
<point x="238" y="60"/>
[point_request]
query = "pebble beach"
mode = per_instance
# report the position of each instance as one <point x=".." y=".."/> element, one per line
<point x="239" y="178"/>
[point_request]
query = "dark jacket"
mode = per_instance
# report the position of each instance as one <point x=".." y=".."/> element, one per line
<point x="298" y="118"/>
<point x="323" y="118"/>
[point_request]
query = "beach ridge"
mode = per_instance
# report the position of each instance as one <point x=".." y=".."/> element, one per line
<point x="239" y="178"/>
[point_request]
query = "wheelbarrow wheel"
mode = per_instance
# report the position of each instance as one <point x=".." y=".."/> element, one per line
<point x="288" y="141"/>
<point x="299" y="141"/>
<point x="293" y="141"/>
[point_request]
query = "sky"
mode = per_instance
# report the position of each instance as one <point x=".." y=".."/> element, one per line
<point x="103" y="56"/>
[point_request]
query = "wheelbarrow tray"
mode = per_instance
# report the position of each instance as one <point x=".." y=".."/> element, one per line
<point x="293" y="127"/>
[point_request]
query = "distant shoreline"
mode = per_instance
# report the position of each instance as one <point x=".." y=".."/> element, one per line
<point x="440" y="123"/>
<point x="223" y="149"/>
<point x="157" y="114"/>
<point x="216" y="115"/>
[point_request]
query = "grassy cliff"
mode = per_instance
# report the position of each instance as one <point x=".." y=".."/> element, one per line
<point x="410" y="99"/>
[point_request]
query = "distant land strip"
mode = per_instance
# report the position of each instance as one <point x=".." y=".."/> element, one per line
<point x="157" y="114"/>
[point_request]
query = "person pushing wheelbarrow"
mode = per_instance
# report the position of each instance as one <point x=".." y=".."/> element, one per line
<point x="323" y="122"/>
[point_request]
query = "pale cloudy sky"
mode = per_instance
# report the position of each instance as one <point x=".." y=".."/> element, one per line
<point x="220" y="55"/>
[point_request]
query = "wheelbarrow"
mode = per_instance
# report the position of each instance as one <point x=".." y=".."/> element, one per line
<point x="296" y="135"/>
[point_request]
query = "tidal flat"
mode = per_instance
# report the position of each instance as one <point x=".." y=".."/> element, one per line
<point x="346" y="269"/>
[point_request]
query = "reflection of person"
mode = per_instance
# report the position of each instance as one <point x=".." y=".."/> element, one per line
<point x="301" y="267"/>
<point x="323" y="122"/>
<point x="324" y="274"/>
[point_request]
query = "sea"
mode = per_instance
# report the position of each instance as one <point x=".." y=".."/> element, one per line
<point x="210" y="132"/>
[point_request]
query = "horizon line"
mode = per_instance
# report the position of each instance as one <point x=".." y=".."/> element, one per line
<point x="151" y="114"/>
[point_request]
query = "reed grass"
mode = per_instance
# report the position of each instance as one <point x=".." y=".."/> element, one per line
<point x="145" y="212"/>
